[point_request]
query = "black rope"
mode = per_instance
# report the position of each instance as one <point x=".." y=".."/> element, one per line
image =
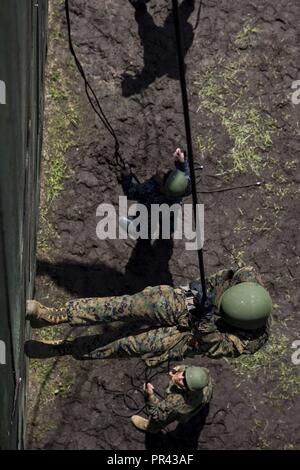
<point x="91" y="95"/>
<point x="188" y="134"/>
<point x="137" y="380"/>
<point x="198" y="15"/>
<point x="232" y="188"/>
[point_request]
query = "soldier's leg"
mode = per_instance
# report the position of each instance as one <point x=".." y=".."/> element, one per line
<point x="149" y="425"/>
<point x="40" y="316"/>
<point x="154" y="346"/>
<point x="94" y="310"/>
<point x="131" y="346"/>
<point x="88" y="347"/>
<point x="146" y="425"/>
<point x="39" y="350"/>
<point x="160" y="306"/>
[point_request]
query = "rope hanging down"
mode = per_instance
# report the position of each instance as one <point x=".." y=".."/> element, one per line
<point x="188" y="133"/>
<point x="92" y="97"/>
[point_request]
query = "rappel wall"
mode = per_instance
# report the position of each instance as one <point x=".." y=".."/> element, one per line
<point x="23" y="25"/>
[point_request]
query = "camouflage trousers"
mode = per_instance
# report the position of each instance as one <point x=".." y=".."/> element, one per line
<point x="154" y="346"/>
<point x="159" y="306"/>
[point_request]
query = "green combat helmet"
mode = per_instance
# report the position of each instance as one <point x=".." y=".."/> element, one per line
<point x="196" y="378"/>
<point x="246" y="305"/>
<point x="176" y="184"/>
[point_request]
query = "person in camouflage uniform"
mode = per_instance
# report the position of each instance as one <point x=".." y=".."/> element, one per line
<point x="152" y="190"/>
<point x="158" y="190"/>
<point x="175" y="331"/>
<point x="189" y="390"/>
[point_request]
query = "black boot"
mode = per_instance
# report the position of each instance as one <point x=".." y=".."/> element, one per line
<point x="40" y="350"/>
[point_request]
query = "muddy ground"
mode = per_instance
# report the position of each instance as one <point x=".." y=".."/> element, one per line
<point x="240" y="55"/>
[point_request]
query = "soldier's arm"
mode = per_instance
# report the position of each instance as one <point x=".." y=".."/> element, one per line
<point x="219" y="278"/>
<point x="171" y="408"/>
<point x="131" y="190"/>
<point x="141" y="192"/>
<point x="184" y="167"/>
<point x="248" y="274"/>
<point x="217" y="344"/>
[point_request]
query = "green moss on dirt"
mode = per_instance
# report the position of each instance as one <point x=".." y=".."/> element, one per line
<point x="61" y="121"/>
<point x="273" y="362"/>
<point x="224" y="92"/>
<point x="54" y="377"/>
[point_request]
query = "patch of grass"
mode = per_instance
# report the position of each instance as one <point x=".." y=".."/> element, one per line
<point x="244" y="37"/>
<point x="250" y="134"/>
<point x="46" y="231"/>
<point x="274" y="363"/>
<point x="60" y="136"/>
<point x="263" y="443"/>
<point x="239" y="227"/>
<point x="262" y="359"/>
<point x="237" y="257"/>
<point x="50" y="378"/>
<point x="224" y="93"/>
<point x="51" y="382"/>
<point x="61" y="122"/>
<point x="206" y="145"/>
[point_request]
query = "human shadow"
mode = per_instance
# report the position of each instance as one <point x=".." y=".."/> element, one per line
<point x="151" y="261"/>
<point x="160" y="55"/>
<point x="147" y="266"/>
<point x="184" y="437"/>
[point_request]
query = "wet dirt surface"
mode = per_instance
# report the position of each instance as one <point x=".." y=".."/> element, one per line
<point x="131" y="61"/>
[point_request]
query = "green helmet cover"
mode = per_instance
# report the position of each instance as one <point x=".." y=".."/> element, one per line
<point x="196" y="378"/>
<point x="246" y="305"/>
<point x="176" y="184"/>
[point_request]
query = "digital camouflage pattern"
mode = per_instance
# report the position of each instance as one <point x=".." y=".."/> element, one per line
<point x="179" y="404"/>
<point x="226" y="278"/>
<point x="154" y="346"/>
<point x="177" y="333"/>
<point x="159" y="305"/>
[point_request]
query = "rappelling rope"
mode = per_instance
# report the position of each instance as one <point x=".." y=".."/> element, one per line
<point x="188" y="133"/>
<point x="91" y="95"/>
<point x="198" y="15"/>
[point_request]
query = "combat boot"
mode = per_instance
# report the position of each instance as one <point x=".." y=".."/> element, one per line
<point x="40" y="316"/>
<point x="41" y="350"/>
<point x="142" y="424"/>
